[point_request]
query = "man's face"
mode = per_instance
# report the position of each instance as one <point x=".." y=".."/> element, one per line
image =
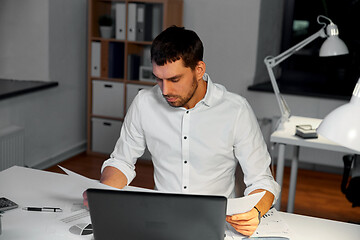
<point x="177" y="83"/>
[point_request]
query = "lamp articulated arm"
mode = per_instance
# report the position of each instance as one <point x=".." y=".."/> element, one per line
<point x="272" y="62"/>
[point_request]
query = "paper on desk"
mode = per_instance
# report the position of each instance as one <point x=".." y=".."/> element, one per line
<point x="70" y="224"/>
<point x="272" y="226"/>
<point x="91" y="183"/>
<point x="243" y="204"/>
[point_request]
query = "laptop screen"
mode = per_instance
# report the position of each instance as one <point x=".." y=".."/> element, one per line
<point x="161" y="216"/>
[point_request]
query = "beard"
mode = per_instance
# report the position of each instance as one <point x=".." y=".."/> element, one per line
<point x="182" y="100"/>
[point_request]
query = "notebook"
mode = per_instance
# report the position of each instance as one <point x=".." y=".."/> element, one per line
<point x="161" y="216"/>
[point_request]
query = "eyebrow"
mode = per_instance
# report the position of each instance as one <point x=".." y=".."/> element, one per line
<point x="169" y="79"/>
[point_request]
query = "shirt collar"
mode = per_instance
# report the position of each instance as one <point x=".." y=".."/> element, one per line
<point x="213" y="93"/>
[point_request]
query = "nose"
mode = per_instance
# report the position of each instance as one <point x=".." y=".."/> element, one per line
<point x="165" y="87"/>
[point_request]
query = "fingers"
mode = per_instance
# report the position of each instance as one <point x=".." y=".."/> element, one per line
<point x="246" y="228"/>
<point x="245" y="223"/>
<point x="85" y="200"/>
<point x="245" y="232"/>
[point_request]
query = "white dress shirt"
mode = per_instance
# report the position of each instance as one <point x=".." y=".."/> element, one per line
<point x="195" y="150"/>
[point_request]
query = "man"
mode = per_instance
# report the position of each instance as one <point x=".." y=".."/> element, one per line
<point x="195" y="130"/>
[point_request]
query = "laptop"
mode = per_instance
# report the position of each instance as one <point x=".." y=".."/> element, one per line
<point x="161" y="216"/>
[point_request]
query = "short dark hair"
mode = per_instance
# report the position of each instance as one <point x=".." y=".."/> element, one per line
<point x="176" y="43"/>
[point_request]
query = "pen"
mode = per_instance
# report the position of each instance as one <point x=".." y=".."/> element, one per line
<point x="43" y="209"/>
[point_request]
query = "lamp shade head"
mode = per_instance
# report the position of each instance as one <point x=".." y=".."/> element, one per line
<point x="342" y="125"/>
<point x="333" y="45"/>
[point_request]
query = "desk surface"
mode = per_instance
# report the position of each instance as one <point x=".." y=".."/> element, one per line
<point x="285" y="134"/>
<point x="12" y="88"/>
<point x="29" y="187"/>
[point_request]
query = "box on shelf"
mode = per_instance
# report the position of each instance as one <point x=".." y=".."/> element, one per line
<point x="105" y="133"/>
<point x="108" y="98"/>
<point x="146" y="74"/>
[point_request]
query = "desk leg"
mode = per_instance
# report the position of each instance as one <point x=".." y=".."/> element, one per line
<point x="293" y="179"/>
<point x="280" y="172"/>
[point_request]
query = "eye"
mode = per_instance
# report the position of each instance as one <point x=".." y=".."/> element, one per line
<point x="175" y="80"/>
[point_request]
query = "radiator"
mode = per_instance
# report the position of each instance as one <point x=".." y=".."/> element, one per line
<point x="11" y="147"/>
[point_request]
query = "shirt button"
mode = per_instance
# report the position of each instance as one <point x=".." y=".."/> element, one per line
<point x="185" y="137"/>
<point x="185" y="187"/>
<point x="185" y="162"/>
<point x="187" y="111"/>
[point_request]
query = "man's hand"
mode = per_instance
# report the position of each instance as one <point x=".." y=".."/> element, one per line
<point x="112" y="177"/>
<point x="245" y="223"/>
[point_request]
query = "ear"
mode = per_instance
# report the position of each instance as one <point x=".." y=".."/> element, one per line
<point x="200" y="70"/>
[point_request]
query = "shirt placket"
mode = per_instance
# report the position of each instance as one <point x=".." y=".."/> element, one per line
<point x="185" y="149"/>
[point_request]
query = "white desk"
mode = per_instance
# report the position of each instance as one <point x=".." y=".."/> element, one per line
<point x="285" y="135"/>
<point x="30" y="187"/>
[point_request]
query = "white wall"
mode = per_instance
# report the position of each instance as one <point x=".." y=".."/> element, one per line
<point x="24" y="39"/>
<point x="54" y="119"/>
<point x="229" y="31"/>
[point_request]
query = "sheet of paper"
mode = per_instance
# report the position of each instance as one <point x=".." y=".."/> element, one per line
<point x="272" y="225"/>
<point x="91" y="183"/>
<point x="73" y="223"/>
<point x="74" y="175"/>
<point x="243" y="204"/>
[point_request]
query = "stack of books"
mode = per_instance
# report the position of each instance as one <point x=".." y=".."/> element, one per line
<point x="306" y="131"/>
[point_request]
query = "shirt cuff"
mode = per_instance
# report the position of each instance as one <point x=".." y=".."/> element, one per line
<point x="271" y="186"/>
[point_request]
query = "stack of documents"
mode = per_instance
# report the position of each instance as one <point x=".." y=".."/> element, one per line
<point x="144" y="21"/>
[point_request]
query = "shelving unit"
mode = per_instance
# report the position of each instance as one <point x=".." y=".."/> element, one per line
<point x="110" y="91"/>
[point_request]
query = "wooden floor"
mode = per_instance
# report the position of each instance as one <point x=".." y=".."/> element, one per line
<point x="318" y="194"/>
